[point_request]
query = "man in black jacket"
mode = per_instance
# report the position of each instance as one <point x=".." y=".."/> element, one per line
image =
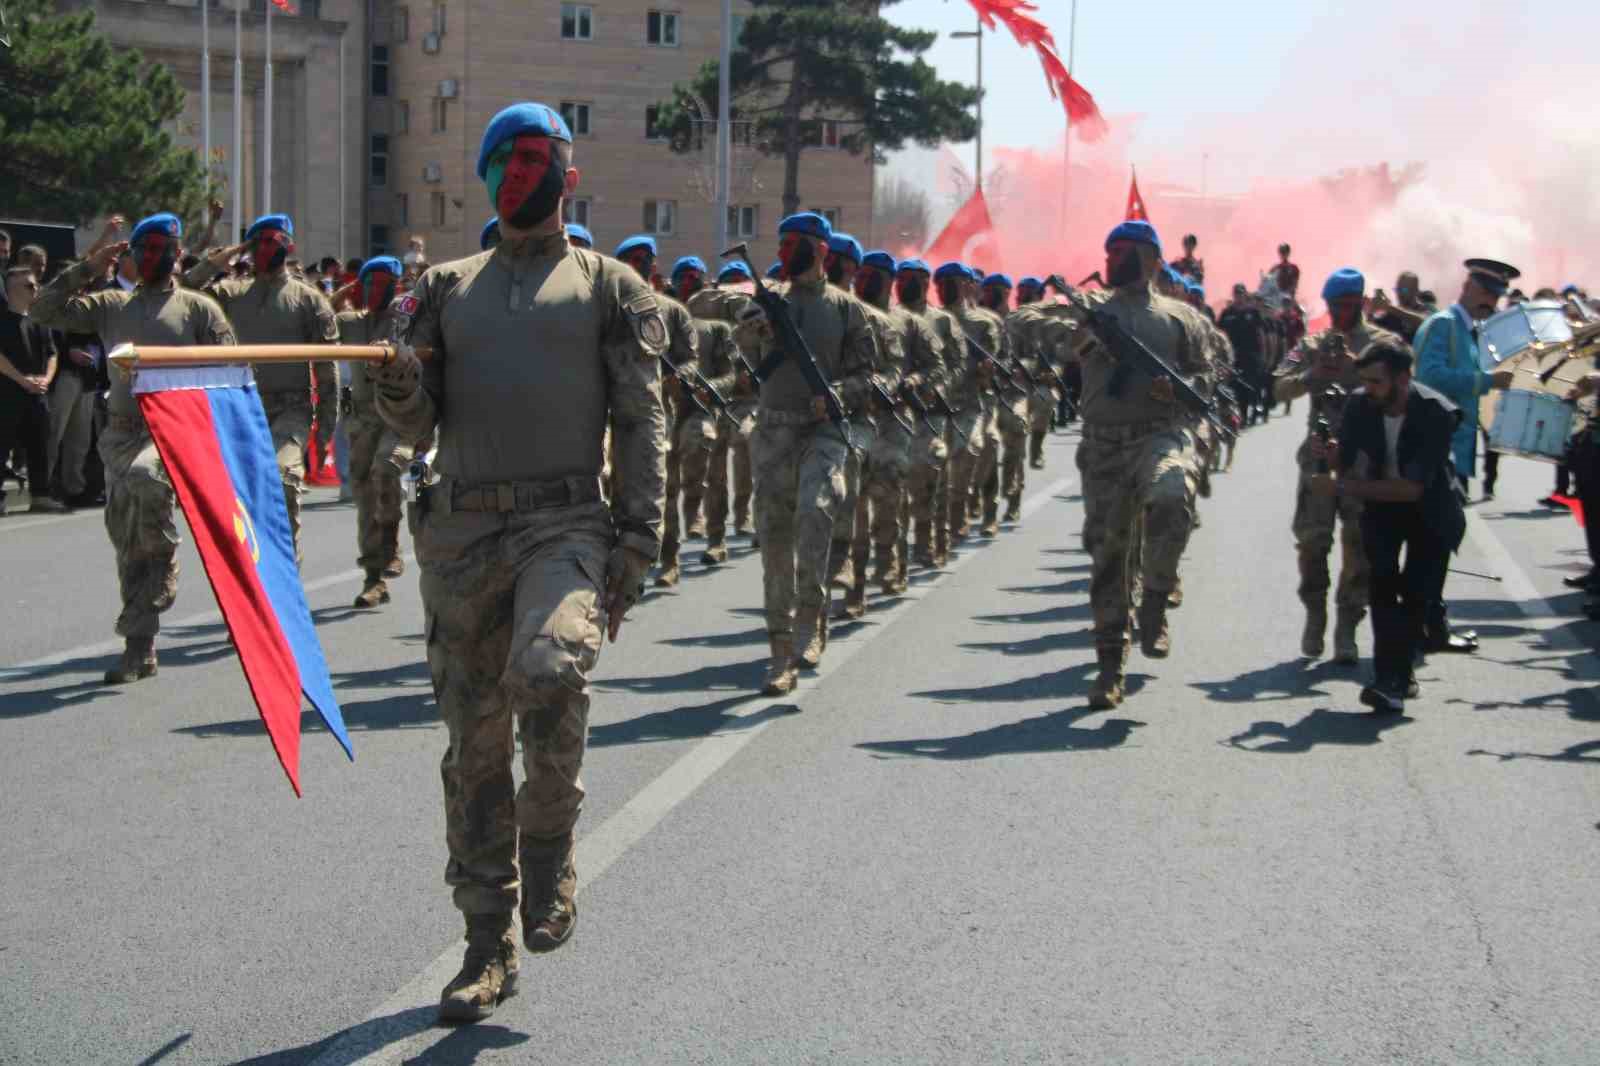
<point x="1393" y="452"/>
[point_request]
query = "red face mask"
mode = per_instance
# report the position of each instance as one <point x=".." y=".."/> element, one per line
<point x="798" y="254"/>
<point x="1345" y="313"/>
<point x="155" y="257"/>
<point x="869" y="283"/>
<point x="526" y="181"/>
<point x="377" y="289"/>
<point x="641" y="260"/>
<point x="688" y="283"/>
<point x="272" y="247"/>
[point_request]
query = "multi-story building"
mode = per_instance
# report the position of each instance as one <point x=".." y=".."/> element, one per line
<point x="388" y="100"/>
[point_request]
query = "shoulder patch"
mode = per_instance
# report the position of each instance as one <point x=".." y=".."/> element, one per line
<point x="406" y="305"/>
<point x="644" y="315"/>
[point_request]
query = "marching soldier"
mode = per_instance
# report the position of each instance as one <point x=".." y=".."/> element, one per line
<point x="701" y="425"/>
<point x="139" y="497"/>
<point x="840" y="267"/>
<point x="929" y="484"/>
<point x="535" y="346"/>
<point x="723" y="303"/>
<point x="969" y="386"/>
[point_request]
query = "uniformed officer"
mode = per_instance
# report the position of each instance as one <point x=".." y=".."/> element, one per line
<point x="139" y="497"/>
<point x="1014" y="407"/>
<point x="725" y="303"/>
<point x="799" y="456"/>
<point x="840" y="266"/>
<point x="1137" y="457"/>
<point x="535" y="346"/>
<point x="275" y="308"/>
<point x="971" y="446"/>
<point x="377" y="455"/>
<point x="579" y="236"/>
<point x="1042" y="404"/>
<point x="929" y="484"/>
<point x="700" y="423"/>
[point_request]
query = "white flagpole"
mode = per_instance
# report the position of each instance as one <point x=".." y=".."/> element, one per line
<point x="266" y="169"/>
<point x="205" y="91"/>
<point x="724" y="128"/>
<point x="238" y="121"/>
<point x="342" y="36"/>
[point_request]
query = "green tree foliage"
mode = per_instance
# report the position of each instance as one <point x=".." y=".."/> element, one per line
<point x="81" y="124"/>
<point x="800" y="62"/>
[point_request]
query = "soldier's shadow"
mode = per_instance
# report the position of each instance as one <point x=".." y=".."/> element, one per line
<point x="1292" y="679"/>
<point x="1054" y="684"/>
<point x="1075" y="612"/>
<point x="1053" y="732"/>
<point x="1321" y="726"/>
<point x="1060" y="588"/>
<point x="1052" y="642"/>
<point x="454" y="1046"/>
<point x="686" y="723"/>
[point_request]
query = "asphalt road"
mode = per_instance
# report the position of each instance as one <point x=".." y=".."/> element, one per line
<point x="933" y="853"/>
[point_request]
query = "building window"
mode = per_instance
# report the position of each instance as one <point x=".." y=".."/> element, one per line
<point x="402" y="116"/>
<point x="438" y="19"/>
<point x="652" y="116"/>
<point x="402" y="209"/>
<point x="832" y="214"/>
<point x="576" y="211"/>
<point x="742" y="220"/>
<point x="661" y="28"/>
<point x="437" y="203"/>
<point x="380" y="159"/>
<point x="400" y="25"/>
<point x="738" y="29"/>
<point x="439" y="107"/>
<point x="823" y="134"/>
<point x="661" y="216"/>
<point x="576" y="116"/>
<point x="380" y="70"/>
<point x="378" y="239"/>
<point x="577" y="22"/>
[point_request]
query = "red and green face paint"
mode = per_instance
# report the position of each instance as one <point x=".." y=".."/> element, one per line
<point x="272" y="247"/>
<point x="869" y="282"/>
<point x="377" y="289"/>
<point x="910" y="287"/>
<point x="154" y="256"/>
<point x="798" y="254"/>
<point x="687" y="283"/>
<point x="1344" y="312"/>
<point x="525" y="180"/>
<point x="641" y="260"/>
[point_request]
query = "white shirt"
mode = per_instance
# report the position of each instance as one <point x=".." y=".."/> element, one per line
<point x="1391" y="455"/>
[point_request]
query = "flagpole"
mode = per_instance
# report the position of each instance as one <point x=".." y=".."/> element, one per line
<point x="238" y="121"/>
<point x="342" y="103"/>
<point x="205" y="90"/>
<point x="134" y="357"/>
<point x="978" y="35"/>
<point x="724" y="127"/>
<point x="266" y="169"/>
<point x="1066" y="142"/>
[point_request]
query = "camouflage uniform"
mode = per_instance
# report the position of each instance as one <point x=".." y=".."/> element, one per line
<point x="1315" y="516"/>
<point x="929" y="482"/>
<point x="1138" y="464"/>
<point x="1048" y="340"/>
<point x="733" y="440"/>
<point x="277" y="309"/>
<point x="974" y="438"/>
<point x="377" y="459"/>
<point x="692" y="435"/>
<point x="864" y="433"/>
<point x="536" y="344"/>
<point x="885" y="454"/>
<point x="139" y="497"/>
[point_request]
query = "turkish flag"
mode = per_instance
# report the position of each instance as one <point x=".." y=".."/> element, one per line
<point x="1136" y="211"/>
<point x="968" y="237"/>
<point x="282" y="5"/>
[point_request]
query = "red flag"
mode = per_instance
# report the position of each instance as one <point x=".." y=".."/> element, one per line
<point x="1029" y="32"/>
<point x="1136" y="211"/>
<point x="1571" y="503"/>
<point x="285" y="6"/>
<point x="968" y="237"/>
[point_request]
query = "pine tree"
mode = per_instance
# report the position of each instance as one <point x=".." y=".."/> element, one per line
<point x="801" y="62"/>
<point x="82" y="124"/>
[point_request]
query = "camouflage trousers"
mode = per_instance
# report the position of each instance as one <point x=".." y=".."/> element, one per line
<point x="972" y="457"/>
<point x="1314" y="520"/>
<point x="799" y="489"/>
<point x="1145" y="472"/>
<point x="883" y="505"/>
<point x="928" y="483"/>
<point x="735" y="443"/>
<point x="376" y="462"/>
<point x="139" y="517"/>
<point x="513" y="621"/>
<point x="1014" y="425"/>
<point x="1041" y="408"/>
<point x="863" y="434"/>
<point x="694" y="441"/>
<point x="289" y="416"/>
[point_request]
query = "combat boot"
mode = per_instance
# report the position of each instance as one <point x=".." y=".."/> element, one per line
<point x="1106" y="692"/>
<point x="667" y="576"/>
<point x="855" y="601"/>
<point x="1175" y="597"/>
<point x="374" y="593"/>
<point x="810" y="636"/>
<point x="841" y="566"/>
<point x="549" y="881"/>
<point x="1345" y="651"/>
<point x="1036" y="450"/>
<point x="1013" y="508"/>
<point x="741" y="517"/>
<point x="696" y="517"/>
<point x="1154" y="640"/>
<point x="1316" y="628"/>
<point x="781" y="676"/>
<point x="991" y="519"/>
<point x="137" y="663"/>
<point x="924" y="534"/>
<point x="715" y="554"/>
<point x="488" y="974"/>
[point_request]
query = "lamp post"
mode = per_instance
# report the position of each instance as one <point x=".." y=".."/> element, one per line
<point x="1066" y="140"/>
<point x="977" y="35"/>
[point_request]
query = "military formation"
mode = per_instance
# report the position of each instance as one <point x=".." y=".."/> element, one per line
<point x="573" y="419"/>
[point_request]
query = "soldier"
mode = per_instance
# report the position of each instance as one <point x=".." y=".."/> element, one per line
<point x="929" y="483"/>
<point x="1324" y="367"/>
<point x="1014" y="409"/>
<point x="723" y="303"/>
<point x="639" y="252"/>
<point x="535" y="346"/>
<point x="971" y="446"/>
<point x="840" y="266"/>
<point x="1137" y="457"/>
<point x="377" y="455"/>
<point x="799" y="457"/>
<point x="701" y="425"/>
<point x="579" y="236"/>
<point x="139" y="498"/>
<point x="1041" y="405"/>
<point x="275" y="308"/>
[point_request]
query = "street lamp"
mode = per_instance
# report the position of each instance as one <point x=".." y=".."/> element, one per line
<point x="978" y="36"/>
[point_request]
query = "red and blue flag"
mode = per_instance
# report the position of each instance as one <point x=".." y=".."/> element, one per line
<point x="212" y="433"/>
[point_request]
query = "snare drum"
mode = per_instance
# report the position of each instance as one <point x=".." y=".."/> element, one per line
<point x="1534" y="425"/>
<point x="1537" y="323"/>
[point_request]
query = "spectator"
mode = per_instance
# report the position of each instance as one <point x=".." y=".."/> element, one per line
<point x="72" y="397"/>
<point x="5" y="250"/>
<point x="27" y="365"/>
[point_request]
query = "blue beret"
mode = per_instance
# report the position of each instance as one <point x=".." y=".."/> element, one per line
<point x="1194" y="287"/>
<point x="1137" y="231"/>
<point x="515" y="120"/>
<point x="847" y="246"/>
<point x="1174" y="277"/>
<point x="733" y="270"/>
<point x="166" y="222"/>
<point x="1346" y="281"/>
<point x="688" y="262"/>
<point x="381" y="262"/>
<point x="1029" y="282"/>
<point x="775" y="269"/>
<point x="638" y="240"/>
<point x="1569" y="289"/>
<point x="581" y="233"/>
<point x="808" y="222"/>
<point x="490" y="229"/>
<point x="952" y="269"/>
<point x="998" y="279"/>
<point x="266" y="222"/>
<point x="912" y="264"/>
<point x="881" y="260"/>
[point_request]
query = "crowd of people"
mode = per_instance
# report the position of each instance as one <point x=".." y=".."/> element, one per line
<point x="572" y="418"/>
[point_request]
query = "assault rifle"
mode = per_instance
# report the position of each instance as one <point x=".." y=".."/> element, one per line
<point x="908" y="393"/>
<point x="692" y="384"/>
<point x="1003" y="375"/>
<point x="792" y="344"/>
<point x="887" y="403"/>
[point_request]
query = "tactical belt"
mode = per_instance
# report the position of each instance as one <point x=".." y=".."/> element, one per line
<point x="1130" y="430"/>
<point x="509" y="497"/>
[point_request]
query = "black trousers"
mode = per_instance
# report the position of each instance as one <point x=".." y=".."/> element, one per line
<point x="1401" y="590"/>
<point x="25" y="423"/>
<point x="1585" y="462"/>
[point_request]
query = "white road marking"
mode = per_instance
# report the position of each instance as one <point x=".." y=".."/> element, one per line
<point x="1514" y="582"/>
<point x="32" y="523"/>
<point x="400" y="1027"/>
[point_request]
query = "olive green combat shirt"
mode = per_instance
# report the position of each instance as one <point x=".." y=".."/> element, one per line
<point x="835" y="328"/>
<point x="1172" y="329"/>
<point x="277" y="309"/>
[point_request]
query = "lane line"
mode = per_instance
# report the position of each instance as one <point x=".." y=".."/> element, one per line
<point x="34" y="523"/>
<point x="403" y="1024"/>
<point x="1514" y="581"/>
